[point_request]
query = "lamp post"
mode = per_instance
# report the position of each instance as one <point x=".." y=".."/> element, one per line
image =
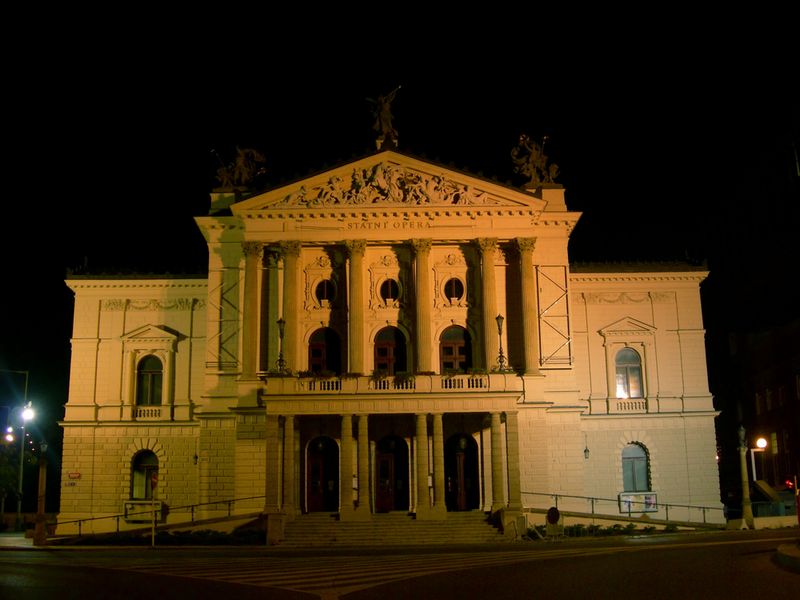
<point x="27" y="415"/>
<point x="761" y="445"/>
<point x="747" y="508"/>
<point x="281" y="329"/>
<point x="40" y="531"/>
<point x="501" y="359"/>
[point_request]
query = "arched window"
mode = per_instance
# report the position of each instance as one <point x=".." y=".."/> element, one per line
<point x="325" y="351"/>
<point x="390" y="351"/>
<point x="390" y="291"/>
<point x="455" y="350"/>
<point x="629" y="374"/>
<point x="635" y="469"/>
<point x="143" y="468"/>
<point x="149" y="376"/>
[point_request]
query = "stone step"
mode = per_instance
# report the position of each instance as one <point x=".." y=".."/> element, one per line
<point x="324" y="529"/>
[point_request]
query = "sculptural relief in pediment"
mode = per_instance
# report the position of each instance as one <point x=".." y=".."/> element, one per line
<point x="387" y="183"/>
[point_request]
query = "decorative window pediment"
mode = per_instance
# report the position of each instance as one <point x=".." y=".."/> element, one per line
<point x="627" y="327"/>
<point x="151" y="334"/>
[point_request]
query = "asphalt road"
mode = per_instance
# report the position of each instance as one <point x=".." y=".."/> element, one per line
<point x="708" y="566"/>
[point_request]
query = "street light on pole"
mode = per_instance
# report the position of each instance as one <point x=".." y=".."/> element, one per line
<point x="27" y="415"/>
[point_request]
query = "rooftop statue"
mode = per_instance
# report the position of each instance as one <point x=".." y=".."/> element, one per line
<point x="382" y="111"/>
<point x="530" y="161"/>
<point x="240" y="173"/>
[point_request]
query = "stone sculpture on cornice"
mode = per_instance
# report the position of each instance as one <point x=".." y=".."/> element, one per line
<point x="530" y="161"/>
<point x="387" y="183"/>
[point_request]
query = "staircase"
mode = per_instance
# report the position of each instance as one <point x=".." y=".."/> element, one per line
<point x="390" y="529"/>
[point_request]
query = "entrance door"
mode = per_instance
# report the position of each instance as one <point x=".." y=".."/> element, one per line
<point x="391" y="474"/>
<point x="384" y="494"/>
<point x="322" y="475"/>
<point x="461" y="473"/>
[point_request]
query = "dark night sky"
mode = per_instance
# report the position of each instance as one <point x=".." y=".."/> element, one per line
<point x="667" y="157"/>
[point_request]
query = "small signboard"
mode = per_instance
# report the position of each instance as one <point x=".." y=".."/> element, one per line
<point x="638" y="502"/>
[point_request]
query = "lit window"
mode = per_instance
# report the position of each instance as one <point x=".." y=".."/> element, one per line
<point x="149" y="376"/>
<point x="635" y="469"/>
<point x="629" y="374"/>
<point x="143" y="470"/>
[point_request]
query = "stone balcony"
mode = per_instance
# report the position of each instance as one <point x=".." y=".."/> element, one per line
<point x="460" y="384"/>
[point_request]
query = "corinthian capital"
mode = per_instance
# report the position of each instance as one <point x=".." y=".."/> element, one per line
<point x="290" y="248"/>
<point x="487" y="245"/>
<point x="356" y="247"/>
<point x="251" y="249"/>
<point x="526" y="244"/>
<point x="421" y="246"/>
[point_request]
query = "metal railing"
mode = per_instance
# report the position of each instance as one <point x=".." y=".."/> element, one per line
<point x="146" y="510"/>
<point x="683" y="513"/>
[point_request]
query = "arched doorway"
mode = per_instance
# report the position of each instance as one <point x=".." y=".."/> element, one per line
<point x="391" y="474"/>
<point x="455" y="350"/>
<point x="390" y="351"/>
<point x="325" y="352"/>
<point x="322" y="475"/>
<point x="462" y="490"/>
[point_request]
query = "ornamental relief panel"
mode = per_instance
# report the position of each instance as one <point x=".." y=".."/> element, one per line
<point x="391" y="265"/>
<point x="616" y="297"/>
<point x="388" y="183"/>
<point x="453" y="269"/>
<point x="117" y="304"/>
<point x="325" y="267"/>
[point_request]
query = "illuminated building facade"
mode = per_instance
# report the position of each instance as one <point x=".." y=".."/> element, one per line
<point x="345" y="355"/>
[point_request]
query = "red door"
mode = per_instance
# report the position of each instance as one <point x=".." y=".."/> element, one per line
<point x="384" y="495"/>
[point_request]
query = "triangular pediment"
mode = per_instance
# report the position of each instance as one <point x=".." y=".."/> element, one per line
<point x="627" y="326"/>
<point x="390" y="179"/>
<point x="149" y="333"/>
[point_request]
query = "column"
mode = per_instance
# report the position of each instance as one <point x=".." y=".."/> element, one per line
<point x="355" y="304"/>
<point x="268" y="314"/>
<point x="423" y="498"/>
<point x="289" y="484"/>
<point x="439" y="505"/>
<point x="346" y="469"/>
<point x="491" y="340"/>
<point x="498" y="481"/>
<point x="512" y="452"/>
<point x="291" y="303"/>
<point x="530" y="309"/>
<point x="422" y="249"/>
<point x="252" y="257"/>
<point x="364" y="503"/>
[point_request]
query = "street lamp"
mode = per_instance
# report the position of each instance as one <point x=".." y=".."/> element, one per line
<point x="27" y="415"/>
<point x="501" y="359"/>
<point x="281" y="329"/>
<point x="761" y="445"/>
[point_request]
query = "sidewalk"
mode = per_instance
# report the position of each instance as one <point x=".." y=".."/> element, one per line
<point x="14" y="539"/>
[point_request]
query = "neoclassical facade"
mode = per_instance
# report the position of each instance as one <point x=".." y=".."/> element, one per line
<point x="389" y="335"/>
